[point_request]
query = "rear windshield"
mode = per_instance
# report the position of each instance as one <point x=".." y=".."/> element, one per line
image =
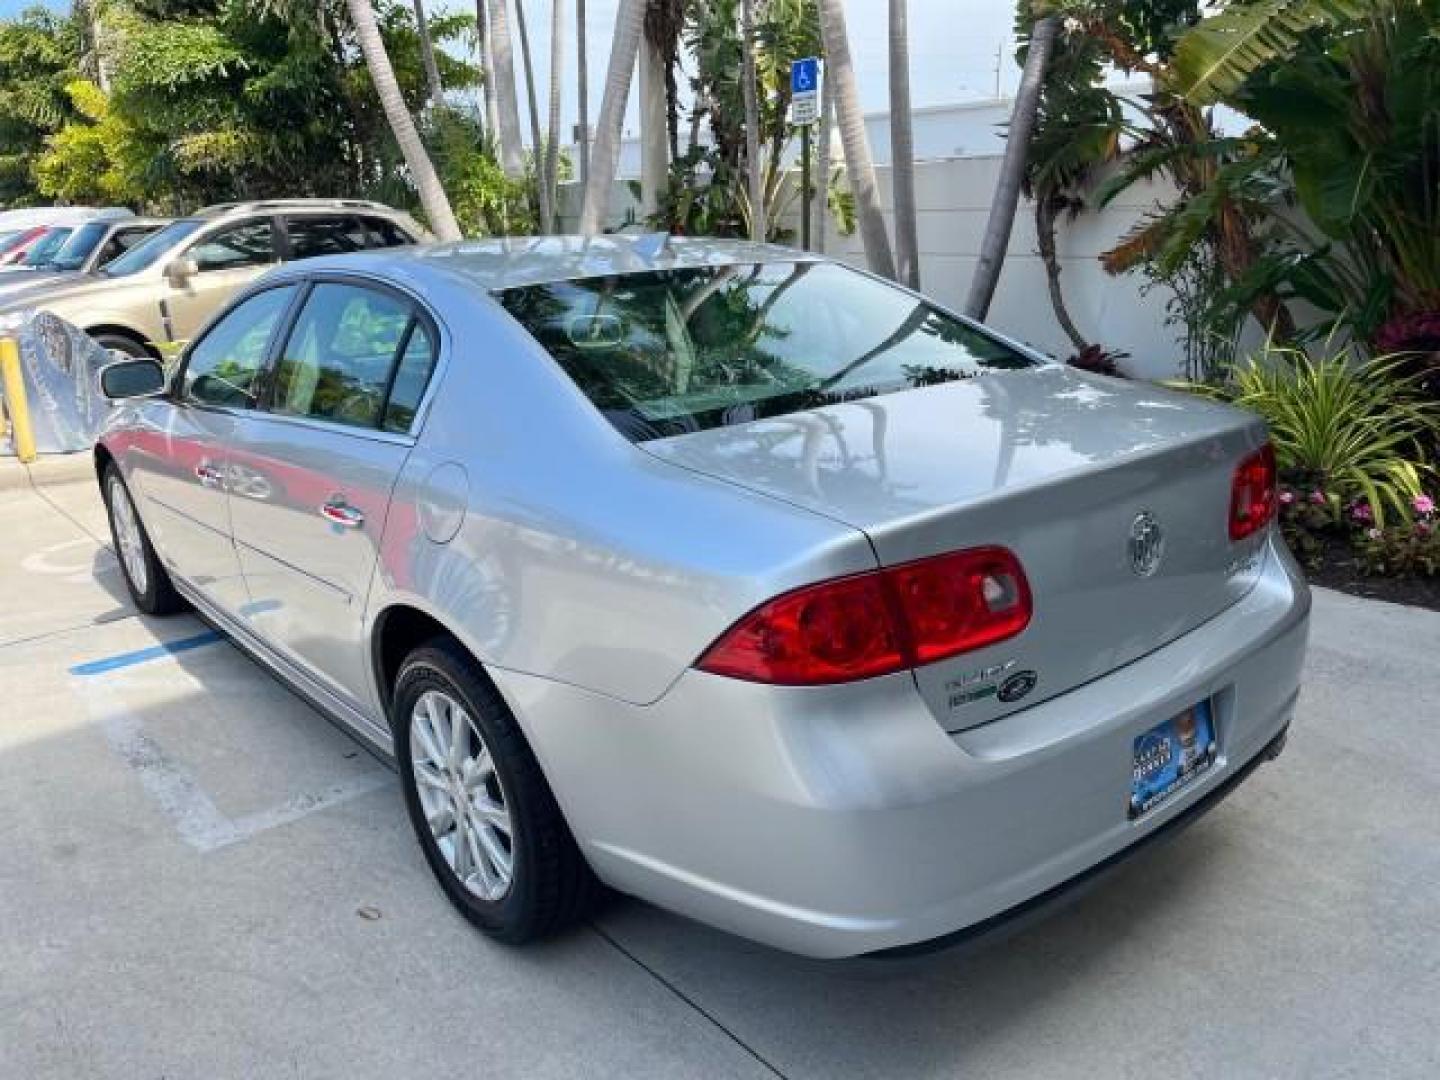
<point x="676" y="351"/>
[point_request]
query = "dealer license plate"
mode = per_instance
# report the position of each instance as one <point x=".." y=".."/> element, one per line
<point x="1171" y="756"/>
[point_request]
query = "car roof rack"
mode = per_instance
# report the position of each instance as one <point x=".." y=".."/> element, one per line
<point x="216" y="209"/>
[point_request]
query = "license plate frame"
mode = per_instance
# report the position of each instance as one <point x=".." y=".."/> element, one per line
<point x="1171" y="756"/>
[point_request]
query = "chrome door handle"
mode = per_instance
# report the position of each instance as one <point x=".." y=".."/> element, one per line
<point x="338" y="512"/>
<point x="208" y="474"/>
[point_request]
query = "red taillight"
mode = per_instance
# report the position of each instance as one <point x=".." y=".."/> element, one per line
<point x="878" y="622"/>
<point x="1253" y="493"/>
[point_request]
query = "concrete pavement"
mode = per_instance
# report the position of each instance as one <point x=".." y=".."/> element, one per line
<point x="202" y="877"/>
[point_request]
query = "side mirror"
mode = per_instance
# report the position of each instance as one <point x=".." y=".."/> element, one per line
<point x="132" y="378"/>
<point x="180" y="271"/>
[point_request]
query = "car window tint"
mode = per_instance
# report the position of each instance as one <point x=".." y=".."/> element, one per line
<point x="248" y="244"/>
<point x="121" y="241"/>
<point x="411" y="378"/>
<point x="385" y="233"/>
<point x="336" y="363"/>
<point x="311" y="236"/>
<point x="674" y="351"/>
<point x="224" y="366"/>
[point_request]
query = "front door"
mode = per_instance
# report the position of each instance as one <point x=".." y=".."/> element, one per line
<point x="311" y="475"/>
<point x="226" y="261"/>
<point x="181" y="463"/>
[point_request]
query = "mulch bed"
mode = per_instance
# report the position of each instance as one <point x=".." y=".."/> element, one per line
<point x="1336" y="569"/>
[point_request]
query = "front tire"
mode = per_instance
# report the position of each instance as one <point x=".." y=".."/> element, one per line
<point x="147" y="580"/>
<point x="123" y="343"/>
<point x="484" y="815"/>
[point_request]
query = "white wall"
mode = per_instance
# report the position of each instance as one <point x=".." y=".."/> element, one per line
<point x="953" y="204"/>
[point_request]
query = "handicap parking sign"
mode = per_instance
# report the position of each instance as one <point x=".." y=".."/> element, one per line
<point x="805" y="76"/>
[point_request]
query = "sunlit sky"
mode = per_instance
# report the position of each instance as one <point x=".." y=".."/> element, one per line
<point x="953" y="48"/>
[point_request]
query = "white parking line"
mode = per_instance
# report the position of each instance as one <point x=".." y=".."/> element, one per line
<point x="180" y="797"/>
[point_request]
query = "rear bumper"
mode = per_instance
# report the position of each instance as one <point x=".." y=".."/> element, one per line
<point x="840" y="821"/>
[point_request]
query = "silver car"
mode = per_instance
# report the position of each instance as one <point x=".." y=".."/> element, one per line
<point x="720" y="574"/>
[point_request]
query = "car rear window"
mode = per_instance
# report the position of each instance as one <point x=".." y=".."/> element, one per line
<point x="674" y="351"/>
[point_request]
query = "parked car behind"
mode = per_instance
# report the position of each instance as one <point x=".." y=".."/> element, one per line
<point x="38" y="232"/>
<point x="164" y="288"/>
<point x="726" y="575"/>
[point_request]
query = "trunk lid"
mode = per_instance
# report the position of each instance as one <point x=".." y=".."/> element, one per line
<point x="1054" y="464"/>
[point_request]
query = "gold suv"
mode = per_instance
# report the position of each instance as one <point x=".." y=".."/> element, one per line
<point x="166" y="287"/>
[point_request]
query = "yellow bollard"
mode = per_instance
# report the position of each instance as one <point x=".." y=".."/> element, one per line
<point x="13" y="382"/>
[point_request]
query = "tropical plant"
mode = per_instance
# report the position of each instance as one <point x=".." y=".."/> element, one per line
<point x="1354" y="430"/>
<point x="582" y="91"/>
<point x="417" y="160"/>
<point x="427" y="55"/>
<point x="605" y="154"/>
<point x="39" y="60"/>
<point x="860" y="167"/>
<point x="502" y="77"/>
<point x="542" y="190"/>
<point x="1006" y="198"/>
<point x="755" y="184"/>
<point x="1078" y="129"/>
<point x="95" y="159"/>
<point x="550" y="171"/>
<point x="902" y="149"/>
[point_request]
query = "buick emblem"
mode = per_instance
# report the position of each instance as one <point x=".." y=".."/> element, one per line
<point x="1147" y="543"/>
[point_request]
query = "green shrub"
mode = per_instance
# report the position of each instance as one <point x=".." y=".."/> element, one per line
<point x="1354" y="430"/>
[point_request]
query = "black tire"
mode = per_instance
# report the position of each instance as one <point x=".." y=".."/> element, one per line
<point x="158" y="597"/>
<point x="125" y="344"/>
<point x="552" y="886"/>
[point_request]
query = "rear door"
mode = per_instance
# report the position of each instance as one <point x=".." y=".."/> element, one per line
<point x="312" y="472"/>
<point x="226" y="261"/>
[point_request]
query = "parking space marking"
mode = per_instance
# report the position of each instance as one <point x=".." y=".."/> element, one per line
<point x="196" y="818"/>
<point x="141" y="656"/>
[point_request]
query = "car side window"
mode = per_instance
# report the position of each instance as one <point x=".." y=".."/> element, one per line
<point x="121" y="241"/>
<point x="223" y="367"/>
<point x="417" y="363"/>
<point x="385" y="233"/>
<point x="251" y="243"/>
<point x="312" y="235"/>
<point x="336" y="364"/>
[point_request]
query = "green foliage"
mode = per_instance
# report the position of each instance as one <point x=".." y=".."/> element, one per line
<point x="1216" y="57"/>
<point x="1411" y="550"/>
<point x="486" y="201"/>
<point x="1353" y="430"/>
<point x="39" y="58"/>
<point x="95" y="158"/>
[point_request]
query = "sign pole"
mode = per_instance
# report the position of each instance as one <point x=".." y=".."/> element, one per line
<point x="805" y="187"/>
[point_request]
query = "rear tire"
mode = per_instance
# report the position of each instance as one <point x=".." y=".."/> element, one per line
<point x="147" y="580"/>
<point x="524" y="881"/>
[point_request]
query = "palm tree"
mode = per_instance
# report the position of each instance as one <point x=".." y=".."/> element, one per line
<point x="502" y="70"/>
<point x="1012" y="169"/>
<point x="427" y="54"/>
<point x="582" y="80"/>
<point x="605" y="156"/>
<point x="821" y="198"/>
<point x="550" y="175"/>
<point x="402" y="124"/>
<point x="902" y="149"/>
<point x="858" y="162"/>
<point x="752" y="121"/>
<point x="487" y="64"/>
<point x="542" y="192"/>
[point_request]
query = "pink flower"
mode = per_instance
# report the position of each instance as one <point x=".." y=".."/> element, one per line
<point x="1374" y="534"/>
<point x="1317" y="497"/>
<point x="1424" y="504"/>
<point x="1287" y="496"/>
<point x="1360" y="511"/>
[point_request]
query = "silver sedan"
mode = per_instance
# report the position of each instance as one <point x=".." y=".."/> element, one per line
<point x="719" y="574"/>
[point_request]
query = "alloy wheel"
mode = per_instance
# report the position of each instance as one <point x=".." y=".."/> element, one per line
<point x="461" y="795"/>
<point x="128" y="536"/>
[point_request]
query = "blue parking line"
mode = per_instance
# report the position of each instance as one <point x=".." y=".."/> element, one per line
<point x="142" y="656"/>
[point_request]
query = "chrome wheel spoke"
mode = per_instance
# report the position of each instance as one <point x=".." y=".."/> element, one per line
<point x="128" y="537"/>
<point x="461" y="795"/>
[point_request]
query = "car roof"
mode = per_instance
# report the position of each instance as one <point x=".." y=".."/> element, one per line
<point x="497" y="264"/>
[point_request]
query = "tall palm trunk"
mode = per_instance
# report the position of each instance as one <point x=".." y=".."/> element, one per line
<point x="550" y="178"/>
<point x="427" y="54"/>
<point x="858" y="163"/>
<point x="821" y="207"/>
<point x="417" y="161"/>
<point x="582" y="81"/>
<point x="502" y="66"/>
<point x="758" y="230"/>
<point x="1046" y="212"/>
<point x="605" y="157"/>
<point x="1012" y="169"/>
<point x="902" y="148"/>
<point x="487" y="63"/>
<point x="542" y="193"/>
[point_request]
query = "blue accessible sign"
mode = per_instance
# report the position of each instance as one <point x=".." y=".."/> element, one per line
<point x="805" y="78"/>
